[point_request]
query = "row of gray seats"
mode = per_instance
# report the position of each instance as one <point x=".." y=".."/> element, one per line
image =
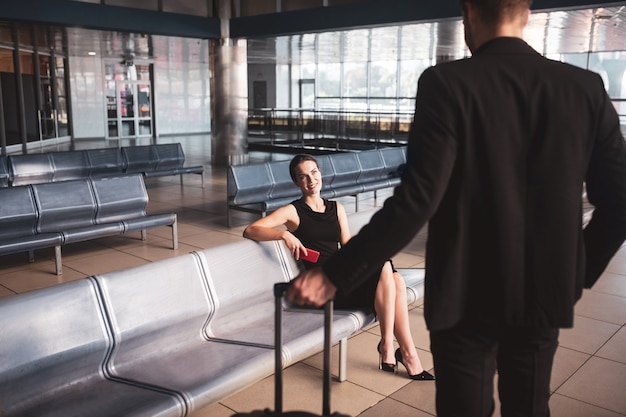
<point x="40" y="216"/>
<point x="161" y="339"/>
<point x="149" y="160"/>
<point x="262" y="188"/>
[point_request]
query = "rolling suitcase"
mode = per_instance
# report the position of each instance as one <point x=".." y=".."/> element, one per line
<point x="279" y="291"/>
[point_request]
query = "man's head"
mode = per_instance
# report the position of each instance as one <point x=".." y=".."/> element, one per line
<point x="487" y="19"/>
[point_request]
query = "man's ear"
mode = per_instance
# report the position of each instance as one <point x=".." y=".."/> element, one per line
<point x="469" y="12"/>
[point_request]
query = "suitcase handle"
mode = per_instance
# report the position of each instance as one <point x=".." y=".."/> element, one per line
<point x="279" y="290"/>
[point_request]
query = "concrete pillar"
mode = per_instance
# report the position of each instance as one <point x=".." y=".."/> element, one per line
<point x="229" y="90"/>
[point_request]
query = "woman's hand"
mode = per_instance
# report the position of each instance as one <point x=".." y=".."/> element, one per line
<point x="294" y="245"/>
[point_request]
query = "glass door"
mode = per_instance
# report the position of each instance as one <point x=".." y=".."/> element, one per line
<point x="129" y="112"/>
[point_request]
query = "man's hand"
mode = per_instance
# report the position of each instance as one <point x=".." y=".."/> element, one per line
<point x="311" y="288"/>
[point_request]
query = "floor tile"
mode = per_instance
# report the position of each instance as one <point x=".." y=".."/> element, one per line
<point x="303" y="391"/>
<point x="599" y="382"/>
<point x="587" y="335"/>
<point x="566" y="363"/>
<point x="391" y="407"/>
<point x="601" y="306"/>
<point x="615" y="348"/>
<point x="112" y="260"/>
<point x="562" y="406"/>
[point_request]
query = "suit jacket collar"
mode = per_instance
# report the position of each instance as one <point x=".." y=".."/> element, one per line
<point x="505" y="45"/>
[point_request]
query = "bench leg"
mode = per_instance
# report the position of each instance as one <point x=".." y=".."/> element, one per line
<point x="343" y="359"/>
<point x="356" y="202"/>
<point x="143" y="234"/>
<point x="202" y="179"/>
<point x="57" y="260"/>
<point x="31" y="256"/>
<point x="175" y="235"/>
<point x="181" y="180"/>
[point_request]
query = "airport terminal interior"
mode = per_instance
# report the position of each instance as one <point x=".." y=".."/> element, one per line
<point x="285" y="76"/>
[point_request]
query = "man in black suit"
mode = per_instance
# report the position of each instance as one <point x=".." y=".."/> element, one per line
<point x="500" y="148"/>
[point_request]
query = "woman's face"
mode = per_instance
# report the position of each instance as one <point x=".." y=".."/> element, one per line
<point x="308" y="177"/>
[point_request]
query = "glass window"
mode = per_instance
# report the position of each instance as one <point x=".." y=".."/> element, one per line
<point x="355" y="79"/>
<point x="329" y="47"/>
<point x="383" y="79"/>
<point x="329" y="84"/>
<point x="410" y="71"/>
<point x="356" y="45"/>
<point x="385" y="43"/>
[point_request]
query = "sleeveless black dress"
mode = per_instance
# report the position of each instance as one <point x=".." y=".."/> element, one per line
<point x="321" y="232"/>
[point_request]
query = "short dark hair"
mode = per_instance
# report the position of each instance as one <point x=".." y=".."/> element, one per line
<point x="494" y="11"/>
<point x="297" y="160"/>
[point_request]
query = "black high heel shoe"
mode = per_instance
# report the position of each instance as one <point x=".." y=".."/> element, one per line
<point x="422" y="376"/>
<point x="387" y="367"/>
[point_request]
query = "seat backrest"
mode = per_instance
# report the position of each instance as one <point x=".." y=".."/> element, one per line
<point x="42" y="332"/>
<point x="394" y="159"/>
<point x="105" y="161"/>
<point x="119" y="198"/>
<point x="4" y="171"/>
<point x="346" y="167"/>
<point x="243" y="273"/>
<point x="169" y="155"/>
<point x="328" y="172"/>
<point x="64" y="205"/>
<point x="30" y="169"/>
<point x="139" y="158"/>
<point x="372" y="165"/>
<point x="283" y="185"/>
<point x="166" y="301"/>
<point x="70" y="165"/>
<point x="249" y="183"/>
<point x="18" y="212"/>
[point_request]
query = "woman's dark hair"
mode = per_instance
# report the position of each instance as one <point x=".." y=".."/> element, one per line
<point x="297" y="160"/>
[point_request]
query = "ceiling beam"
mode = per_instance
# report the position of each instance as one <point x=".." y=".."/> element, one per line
<point x="368" y="14"/>
<point x="103" y="17"/>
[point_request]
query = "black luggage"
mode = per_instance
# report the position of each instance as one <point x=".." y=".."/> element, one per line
<point x="279" y="291"/>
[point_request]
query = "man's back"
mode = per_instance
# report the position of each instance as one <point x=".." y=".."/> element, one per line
<point x="506" y="240"/>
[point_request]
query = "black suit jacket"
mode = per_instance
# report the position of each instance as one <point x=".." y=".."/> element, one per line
<point x="499" y="150"/>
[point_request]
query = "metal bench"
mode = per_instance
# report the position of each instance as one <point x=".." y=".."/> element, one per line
<point x="149" y="160"/>
<point x="159" y="160"/>
<point x="162" y="339"/>
<point x="262" y="188"/>
<point x="54" y="214"/>
<point x="55" y="342"/>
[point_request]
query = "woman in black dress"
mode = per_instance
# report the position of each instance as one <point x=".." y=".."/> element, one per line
<point x="322" y="225"/>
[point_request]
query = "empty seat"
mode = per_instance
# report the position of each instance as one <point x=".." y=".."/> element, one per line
<point x="140" y="158"/>
<point x="64" y="205"/>
<point x="71" y="165"/>
<point x="30" y="169"/>
<point x="372" y="169"/>
<point x="105" y="161"/>
<point x="158" y="314"/>
<point x="245" y="307"/>
<point x="347" y="168"/>
<point x="54" y="346"/>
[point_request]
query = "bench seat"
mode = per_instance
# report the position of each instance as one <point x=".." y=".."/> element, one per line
<point x="166" y="338"/>
<point x="149" y="161"/>
<point x="46" y="215"/>
<point x="55" y="342"/>
<point x="262" y="188"/>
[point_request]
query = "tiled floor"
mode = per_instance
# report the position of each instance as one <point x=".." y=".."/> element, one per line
<point x="589" y="377"/>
